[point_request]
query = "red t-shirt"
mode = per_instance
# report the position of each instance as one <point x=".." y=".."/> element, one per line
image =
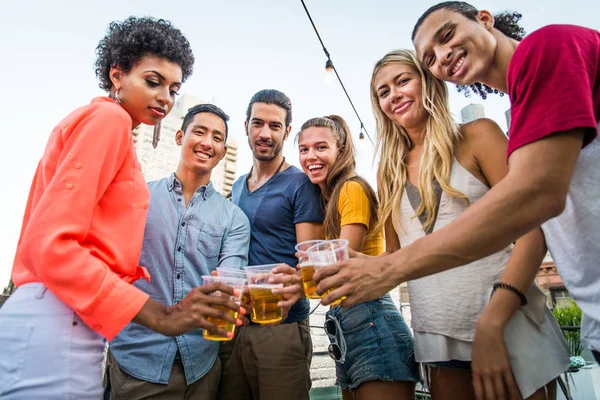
<point x="554" y="84"/>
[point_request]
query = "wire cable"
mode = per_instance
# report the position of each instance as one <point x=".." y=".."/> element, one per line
<point x="362" y="125"/>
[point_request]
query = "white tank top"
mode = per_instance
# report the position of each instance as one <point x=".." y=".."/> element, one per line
<point x="450" y="302"/>
<point x="445" y="306"/>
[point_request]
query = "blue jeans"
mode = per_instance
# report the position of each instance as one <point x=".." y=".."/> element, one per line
<point x="377" y="344"/>
<point x="47" y="351"/>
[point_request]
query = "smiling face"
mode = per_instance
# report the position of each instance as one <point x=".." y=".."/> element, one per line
<point x="266" y="130"/>
<point x="202" y="144"/>
<point x="399" y="92"/>
<point x="147" y="92"/>
<point x="318" y="152"/>
<point x="456" y="48"/>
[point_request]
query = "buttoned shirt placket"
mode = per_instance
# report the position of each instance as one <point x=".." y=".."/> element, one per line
<point x="185" y="214"/>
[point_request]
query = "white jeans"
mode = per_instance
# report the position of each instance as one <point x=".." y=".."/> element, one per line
<point x="46" y="351"/>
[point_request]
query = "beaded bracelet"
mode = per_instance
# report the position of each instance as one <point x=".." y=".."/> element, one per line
<point x="511" y="288"/>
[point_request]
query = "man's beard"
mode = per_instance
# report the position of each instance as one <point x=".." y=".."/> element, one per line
<point x="275" y="151"/>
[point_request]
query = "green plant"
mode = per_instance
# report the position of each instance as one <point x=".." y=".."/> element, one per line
<point x="570" y="316"/>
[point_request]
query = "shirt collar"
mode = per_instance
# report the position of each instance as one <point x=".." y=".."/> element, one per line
<point x="172" y="181"/>
<point x="102" y="99"/>
<point x="206" y="190"/>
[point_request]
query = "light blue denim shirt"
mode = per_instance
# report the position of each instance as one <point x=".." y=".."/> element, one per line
<point x="180" y="245"/>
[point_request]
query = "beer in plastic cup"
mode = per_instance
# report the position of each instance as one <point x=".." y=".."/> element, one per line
<point x="237" y="284"/>
<point x="265" y="308"/>
<point x="236" y="273"/>
<point x="306" y="268"/>
<point x="326" y="253"/>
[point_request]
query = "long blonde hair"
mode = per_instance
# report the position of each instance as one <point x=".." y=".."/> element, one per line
<point x="341" y="171"/>
<point x="393" y="144"/>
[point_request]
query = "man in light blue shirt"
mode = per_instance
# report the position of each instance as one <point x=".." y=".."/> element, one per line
<point x="191" y="229"/>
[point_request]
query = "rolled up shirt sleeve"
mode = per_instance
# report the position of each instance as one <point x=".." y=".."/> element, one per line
<point x="234" y="252"/>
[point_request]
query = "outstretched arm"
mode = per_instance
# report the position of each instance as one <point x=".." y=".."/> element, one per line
<point x="534" y="191"/>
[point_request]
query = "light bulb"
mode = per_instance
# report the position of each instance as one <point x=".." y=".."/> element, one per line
<point x="329" y="72"/>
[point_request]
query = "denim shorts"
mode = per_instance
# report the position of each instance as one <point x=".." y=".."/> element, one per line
<point x="379" y="344"/>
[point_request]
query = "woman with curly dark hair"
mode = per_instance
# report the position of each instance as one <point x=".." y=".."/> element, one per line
<point x="83" y="227"/>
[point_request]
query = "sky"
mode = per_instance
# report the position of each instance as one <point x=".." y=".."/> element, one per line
<point x="47" y="51"/>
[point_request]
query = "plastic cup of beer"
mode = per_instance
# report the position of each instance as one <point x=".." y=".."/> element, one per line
<point x="235" y="273"/>
<point x="326" y="253"/>
<point x="265" y="308"/>
<point x="237" y="284"/>
<point x="306" y="268"/>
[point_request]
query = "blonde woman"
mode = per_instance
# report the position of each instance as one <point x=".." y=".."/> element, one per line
<point x="370" y="342"/>
<point x="431" y="170"/>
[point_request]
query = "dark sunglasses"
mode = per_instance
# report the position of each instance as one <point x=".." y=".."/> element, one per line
<point x="336" y="349"/>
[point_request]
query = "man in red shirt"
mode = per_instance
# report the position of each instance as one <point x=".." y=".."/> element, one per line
<point x="553" y="79"/>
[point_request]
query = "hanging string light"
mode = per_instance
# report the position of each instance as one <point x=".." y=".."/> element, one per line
<point x="330" y="67"/>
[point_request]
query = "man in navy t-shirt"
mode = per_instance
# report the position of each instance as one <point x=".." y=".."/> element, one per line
<point x="284" y="208"/>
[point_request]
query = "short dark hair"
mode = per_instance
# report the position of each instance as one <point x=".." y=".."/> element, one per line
<point x="205" y="108"/>
<point x="127" y="42"/>
<point x="272" y="96"/>
<point x="506" y="22"/>
<point x="460" y="7"/>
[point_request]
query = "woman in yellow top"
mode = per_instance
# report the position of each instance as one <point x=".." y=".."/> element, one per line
<point x="370" y="342"/>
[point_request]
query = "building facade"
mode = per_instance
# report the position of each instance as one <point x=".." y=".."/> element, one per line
<point x="552" y="284"/>
<point x="223" y="175"/>
<point x="472" y="112"/>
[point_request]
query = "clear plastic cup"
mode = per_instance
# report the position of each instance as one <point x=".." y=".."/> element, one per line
<point x="326" y="253"/>
<point x="306" y="268"/>
<point x="236" y="273"/>
<point x="265" y="308"/>
<point x="231" y="272"/>
<point x="238" y="285"/>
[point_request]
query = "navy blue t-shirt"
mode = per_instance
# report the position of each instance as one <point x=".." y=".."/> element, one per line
<point x="274" y="209"/>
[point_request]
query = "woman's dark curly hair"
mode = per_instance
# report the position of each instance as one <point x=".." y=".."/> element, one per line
<point x="506" y="22"/>
<point x="127" y="42"/>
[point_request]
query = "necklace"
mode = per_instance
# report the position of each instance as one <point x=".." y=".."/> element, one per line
<point x="256" y="181"/>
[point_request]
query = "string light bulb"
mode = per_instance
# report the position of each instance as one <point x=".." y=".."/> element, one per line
<point x="329" y="73"/>
<point x="330" y="68"/>
<point x="361" y="135"/>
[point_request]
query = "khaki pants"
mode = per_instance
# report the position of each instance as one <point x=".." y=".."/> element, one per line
<point x="267" y="363"/>
<point x="126" y="387"/>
